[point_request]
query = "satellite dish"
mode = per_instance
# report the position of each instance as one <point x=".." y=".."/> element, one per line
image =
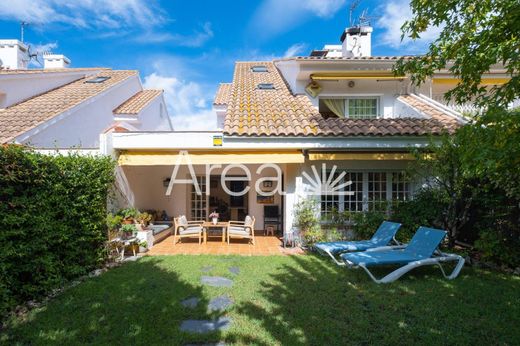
<point x="313" y="89"/>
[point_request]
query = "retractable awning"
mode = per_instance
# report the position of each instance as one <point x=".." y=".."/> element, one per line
<point x="484" y="81"/>
<point x="169" y="158"/>
<point x="360" y="156"/>
<point x="349" y="75"/>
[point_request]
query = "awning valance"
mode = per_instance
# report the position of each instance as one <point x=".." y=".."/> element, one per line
<point x="484" y="81"/>
<point x="169" y="158"/>
<point x="349" y="75"/>
<point x="360" y="156"/>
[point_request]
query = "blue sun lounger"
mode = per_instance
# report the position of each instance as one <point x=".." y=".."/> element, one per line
<point x="384" y="235"/>
<point x="422" y="250"/>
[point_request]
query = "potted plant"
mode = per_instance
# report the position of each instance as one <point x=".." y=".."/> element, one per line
<point x="129" y="215"/>
<point x="214" y="217"/>
<point x="143" y="246"/>
<point x="128" y="230"/>
<point x="144" y="219"/>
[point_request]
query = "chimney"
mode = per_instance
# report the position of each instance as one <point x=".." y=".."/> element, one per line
<point x="356" y="41"/>
<point x="14" y="55"/>
<point x="55" y="61"/>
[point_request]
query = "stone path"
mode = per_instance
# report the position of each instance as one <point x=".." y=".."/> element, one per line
<point x="205" y="326"/>
<point x="216" y="281"/>
<point x="234" y="270"/>
<point x="220" y="303"/>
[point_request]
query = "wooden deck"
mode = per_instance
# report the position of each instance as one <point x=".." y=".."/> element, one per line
<point x="264" y="246"/>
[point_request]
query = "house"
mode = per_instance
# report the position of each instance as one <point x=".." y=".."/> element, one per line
<point x="59" y="108"/>
<point x="337" y="125"/>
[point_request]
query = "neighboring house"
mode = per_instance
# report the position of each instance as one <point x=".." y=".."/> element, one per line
<point x="59" y="108"/>
<point x="287" y="124"/>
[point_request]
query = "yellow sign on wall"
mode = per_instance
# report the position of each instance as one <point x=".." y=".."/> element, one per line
<point x="217" y="141"/>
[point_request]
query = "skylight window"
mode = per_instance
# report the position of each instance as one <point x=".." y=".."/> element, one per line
<point x="266" y="86"/>
<point x="259" y="68"/>
<point x="99" y="79"/>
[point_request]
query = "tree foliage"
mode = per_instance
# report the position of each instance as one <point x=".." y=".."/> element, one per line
<point x="475" y="36"/>
<point x="52" y="220"/>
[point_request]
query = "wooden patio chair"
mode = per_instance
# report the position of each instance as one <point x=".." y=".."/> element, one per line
<point x="187" y="229"/>
<point x="242" y="229"/>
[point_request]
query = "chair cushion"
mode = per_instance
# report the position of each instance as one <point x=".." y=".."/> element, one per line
<point x="381" y="257"/>
<point x="238" y="231"/>
<point x="248" y="221"/>
<point x="190" y="230"/>
<point x="344" y="246"/>
<point x="183" y="221"/>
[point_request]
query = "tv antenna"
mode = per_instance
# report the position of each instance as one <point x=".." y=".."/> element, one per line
<point x="351" y="10"/>
<point x="23" y="24"/>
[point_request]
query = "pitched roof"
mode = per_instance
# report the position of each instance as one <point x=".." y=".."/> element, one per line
<point x="50" y="70"/>
<point x="278" y="112"/>
<point x="138" y="102"/>
<point x="23" y="116"/>
<point x="222" y="96"/>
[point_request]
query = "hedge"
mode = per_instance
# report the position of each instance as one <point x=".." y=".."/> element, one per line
<point x="52" y="220"/>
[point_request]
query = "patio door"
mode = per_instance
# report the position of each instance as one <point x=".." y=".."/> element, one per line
<point x="199" y="202"/>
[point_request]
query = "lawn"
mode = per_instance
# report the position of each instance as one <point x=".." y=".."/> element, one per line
<point x="289" y="300"/>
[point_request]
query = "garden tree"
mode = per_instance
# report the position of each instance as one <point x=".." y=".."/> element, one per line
<point x="475" y="36"/>
<point x="438" y="166"/>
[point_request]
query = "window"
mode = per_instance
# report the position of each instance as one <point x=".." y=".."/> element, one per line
<point x="350" y="107"/>
<point x="372" y="191"/>
<point x="376" y="190"/>
<point x="198" y="202"/>
<point x="362" y="108"/>
<point x="99" y="79"/>
<point x="400" y="187"/>
<point x="259" y="68"/>
<point x="265" y="86"/>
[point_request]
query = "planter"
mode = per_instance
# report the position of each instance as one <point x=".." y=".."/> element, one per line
<point x="128" y="221"/>
<point x="214" y="220"/>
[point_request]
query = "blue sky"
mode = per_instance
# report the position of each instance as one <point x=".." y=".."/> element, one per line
<point x="188" y="47"/>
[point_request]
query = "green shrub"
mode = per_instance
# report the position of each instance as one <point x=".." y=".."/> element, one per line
<point x="52" y="220"/>
<point x="425" y="209"/>
<point x="502" y="248"/>
<point x="366" y="223"/>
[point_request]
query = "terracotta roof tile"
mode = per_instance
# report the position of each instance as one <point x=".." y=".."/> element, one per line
<point x="138" y="102"/>
<point x="278" y="112"/>
<point x="51" y="70"/>
<point x="222" y="96"/>
<point x="26" y="115"/>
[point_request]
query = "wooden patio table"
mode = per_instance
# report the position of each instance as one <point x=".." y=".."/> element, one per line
<point x="220" y="225"/>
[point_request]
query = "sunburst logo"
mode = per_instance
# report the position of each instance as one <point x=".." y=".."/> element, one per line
<point x="327" y="183"/>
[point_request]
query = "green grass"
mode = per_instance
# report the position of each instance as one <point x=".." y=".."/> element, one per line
<point x="296" y="300"/>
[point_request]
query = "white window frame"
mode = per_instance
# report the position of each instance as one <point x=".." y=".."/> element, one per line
<point x="346" y="98"/>
<point x="366" y="203"/>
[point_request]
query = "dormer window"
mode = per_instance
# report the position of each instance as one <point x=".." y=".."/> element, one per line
<point x="259" y="68"/>
<point x="266" y="86"/>
<point x="99" y="79"/>
<point x="357" y="107"/>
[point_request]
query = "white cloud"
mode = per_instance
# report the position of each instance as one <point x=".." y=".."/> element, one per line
<point x="109" y="14"/>
<point x="277" y="16"/>
<point x="295" y="50"/>
<point x="394" y="14"/>
<point x="188" y="104"/>
<point x="197" y="39"/>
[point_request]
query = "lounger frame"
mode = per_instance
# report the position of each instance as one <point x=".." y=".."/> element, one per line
<point x="438" y="259"/>
<point x="342" y="263"/>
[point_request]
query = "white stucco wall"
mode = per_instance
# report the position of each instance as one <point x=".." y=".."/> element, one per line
<point x="83" y="124"/>
<point x="155" y="116"/>
<point x="21" y="87"/>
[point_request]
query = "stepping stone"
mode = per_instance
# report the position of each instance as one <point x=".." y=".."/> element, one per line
<point x="220" y="303"/>
<point x="207" y="269"/>
<point x="190" y="302"/>
<point x="205" y="326"/>
<point x="216" y="281"/>
<point x="234" y="270"/>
